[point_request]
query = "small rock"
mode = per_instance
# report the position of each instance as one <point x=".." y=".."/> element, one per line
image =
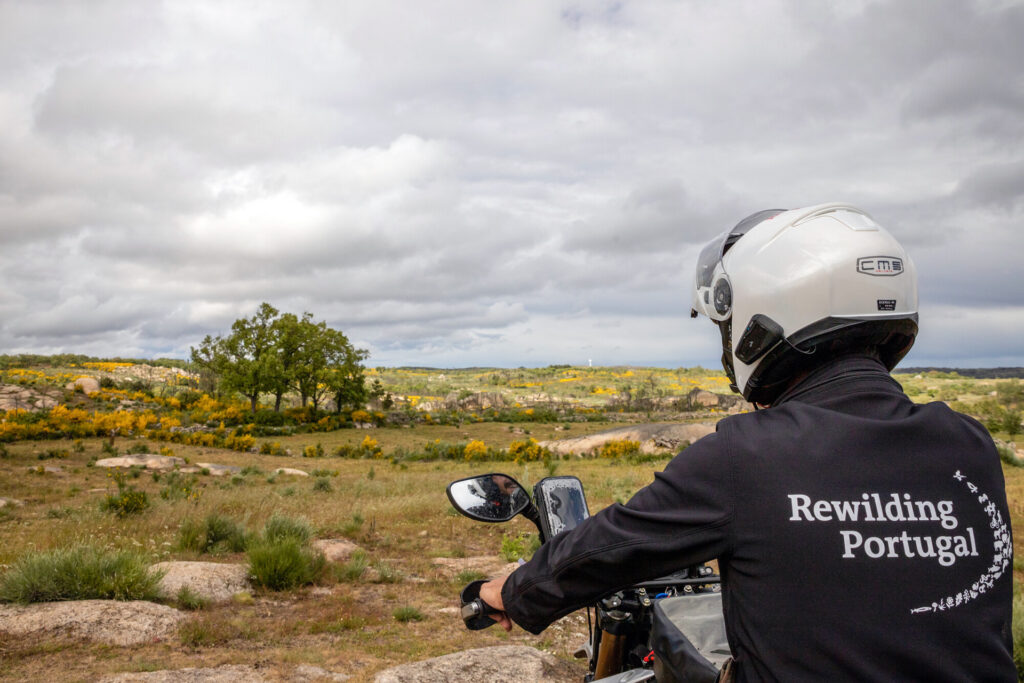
<point x="105" y="621"/>
<point x="218" y="470"/>
<point x="89" y="385"/>
<point x="209" y="580"/>
<point x="293" y="472"/>
<point x="448" y="610"/>
<point x="4" y="502"/>
<point x="335" y="549"/>
<point x="501" y="664"/>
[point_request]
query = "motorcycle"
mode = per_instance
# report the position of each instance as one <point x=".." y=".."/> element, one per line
<point x="668" y="630"/>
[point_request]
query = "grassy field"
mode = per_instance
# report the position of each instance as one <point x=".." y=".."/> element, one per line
<point x="397" y="513"/>
<point x="394" y="508"/>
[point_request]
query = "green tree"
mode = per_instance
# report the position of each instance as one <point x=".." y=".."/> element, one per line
<point x="208" y="363"/>
<point x="296" y="342"/>
<point x="1011" y="422"/>
<point x="250" y="365"/>
<point x="346" y="380"/>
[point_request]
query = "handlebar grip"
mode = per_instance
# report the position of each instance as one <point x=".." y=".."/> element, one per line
<point x="475" y="612"/>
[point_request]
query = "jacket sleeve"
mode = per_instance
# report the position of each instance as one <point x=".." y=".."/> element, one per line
<point x="684" y="517"/>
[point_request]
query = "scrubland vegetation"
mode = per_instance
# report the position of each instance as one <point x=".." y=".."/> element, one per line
<point x="378" y="472"/>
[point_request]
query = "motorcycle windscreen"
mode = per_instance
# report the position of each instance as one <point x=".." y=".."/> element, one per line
<point x="561" y="503"/>
<point x="688" y="638"/>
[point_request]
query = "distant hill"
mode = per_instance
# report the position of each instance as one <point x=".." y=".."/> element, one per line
<point x="975" y="373"/>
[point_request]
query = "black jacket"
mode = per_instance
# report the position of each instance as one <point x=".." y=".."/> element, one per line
<point x="860" y="537"/>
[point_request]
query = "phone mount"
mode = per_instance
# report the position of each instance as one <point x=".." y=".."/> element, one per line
<point x="561" y="504"/>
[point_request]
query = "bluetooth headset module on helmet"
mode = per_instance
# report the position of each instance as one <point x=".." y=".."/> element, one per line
<point x="803" y="286"/>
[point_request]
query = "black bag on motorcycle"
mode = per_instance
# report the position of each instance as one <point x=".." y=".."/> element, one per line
<point x="688" y="638"/>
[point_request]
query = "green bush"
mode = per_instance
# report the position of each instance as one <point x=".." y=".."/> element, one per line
<point x="190" y="600"/>
<point x="279" y="528"/>
<point x="519" y="546"/>
<point x="322" y="484"/>
<point x="284" y="563"/>
<point x="408" y="613"/>
<point x="352" y="570"/>
<point x="215" y="533"/>
<point x="178" y="486"/>
<point x="1007" y="455"/>
<point x="125" y="502"/>
<point x="79" y="573"/>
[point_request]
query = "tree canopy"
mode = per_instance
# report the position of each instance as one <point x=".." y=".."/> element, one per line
<point x="276" y="354"/>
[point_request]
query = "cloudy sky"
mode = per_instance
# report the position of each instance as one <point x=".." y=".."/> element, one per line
<point x="505" y="183"/>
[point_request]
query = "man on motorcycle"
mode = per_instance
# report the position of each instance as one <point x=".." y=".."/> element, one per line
<point x="859" y="536"/>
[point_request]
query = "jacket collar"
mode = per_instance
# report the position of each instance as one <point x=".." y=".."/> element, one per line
<point x="822" y="382"/>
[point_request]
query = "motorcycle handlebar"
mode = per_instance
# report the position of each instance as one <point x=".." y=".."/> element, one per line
<point x="475" y="612"/>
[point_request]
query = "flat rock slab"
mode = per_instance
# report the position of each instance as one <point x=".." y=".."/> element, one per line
<point x="290" y="471"/>
<point x="488" y="565"/>
<point x="4" y="502"/>
<point x="231" y="673"/>
<point x="218" y="470"/>
<point x="150" y="461"/>
<point x="335" y="549"/>
<point x="212" y="581"/>
<point x="650" y="436"/>
<point x="105" y="621"/>
<point x="308" y="673"/>
<point x="502" y="664"/>
<point x="15" y="397"/>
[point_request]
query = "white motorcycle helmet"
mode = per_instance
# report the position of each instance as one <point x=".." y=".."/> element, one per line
<point x="791" y="289"/>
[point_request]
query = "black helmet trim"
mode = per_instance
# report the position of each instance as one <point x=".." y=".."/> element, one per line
<point x="813" y="345"/>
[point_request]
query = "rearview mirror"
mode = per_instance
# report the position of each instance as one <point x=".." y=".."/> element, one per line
<point x="489" y="497"/>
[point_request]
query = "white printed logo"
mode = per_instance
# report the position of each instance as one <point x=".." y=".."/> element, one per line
<point x="1002" y="554"/>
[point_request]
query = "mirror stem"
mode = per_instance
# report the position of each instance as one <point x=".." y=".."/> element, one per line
<point x="533" y="514"/>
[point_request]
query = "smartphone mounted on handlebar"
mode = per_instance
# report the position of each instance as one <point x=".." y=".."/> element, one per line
<point x="561" y="504"/>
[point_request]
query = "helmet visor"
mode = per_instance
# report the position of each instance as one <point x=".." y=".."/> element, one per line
<point x="711" y="255"/>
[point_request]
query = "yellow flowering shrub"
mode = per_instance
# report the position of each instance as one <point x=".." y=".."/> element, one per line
<point x="475" y="450"/>
<point x="621" y="448"/>
<point x="528" y="451"/>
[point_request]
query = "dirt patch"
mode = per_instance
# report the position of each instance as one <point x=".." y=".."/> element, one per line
<point x="652" y="437"/>
<point x="488" y="565"/>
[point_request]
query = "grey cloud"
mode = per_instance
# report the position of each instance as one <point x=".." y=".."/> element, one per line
<point x="481" y="181"/>
<point x="999" y="186"/>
